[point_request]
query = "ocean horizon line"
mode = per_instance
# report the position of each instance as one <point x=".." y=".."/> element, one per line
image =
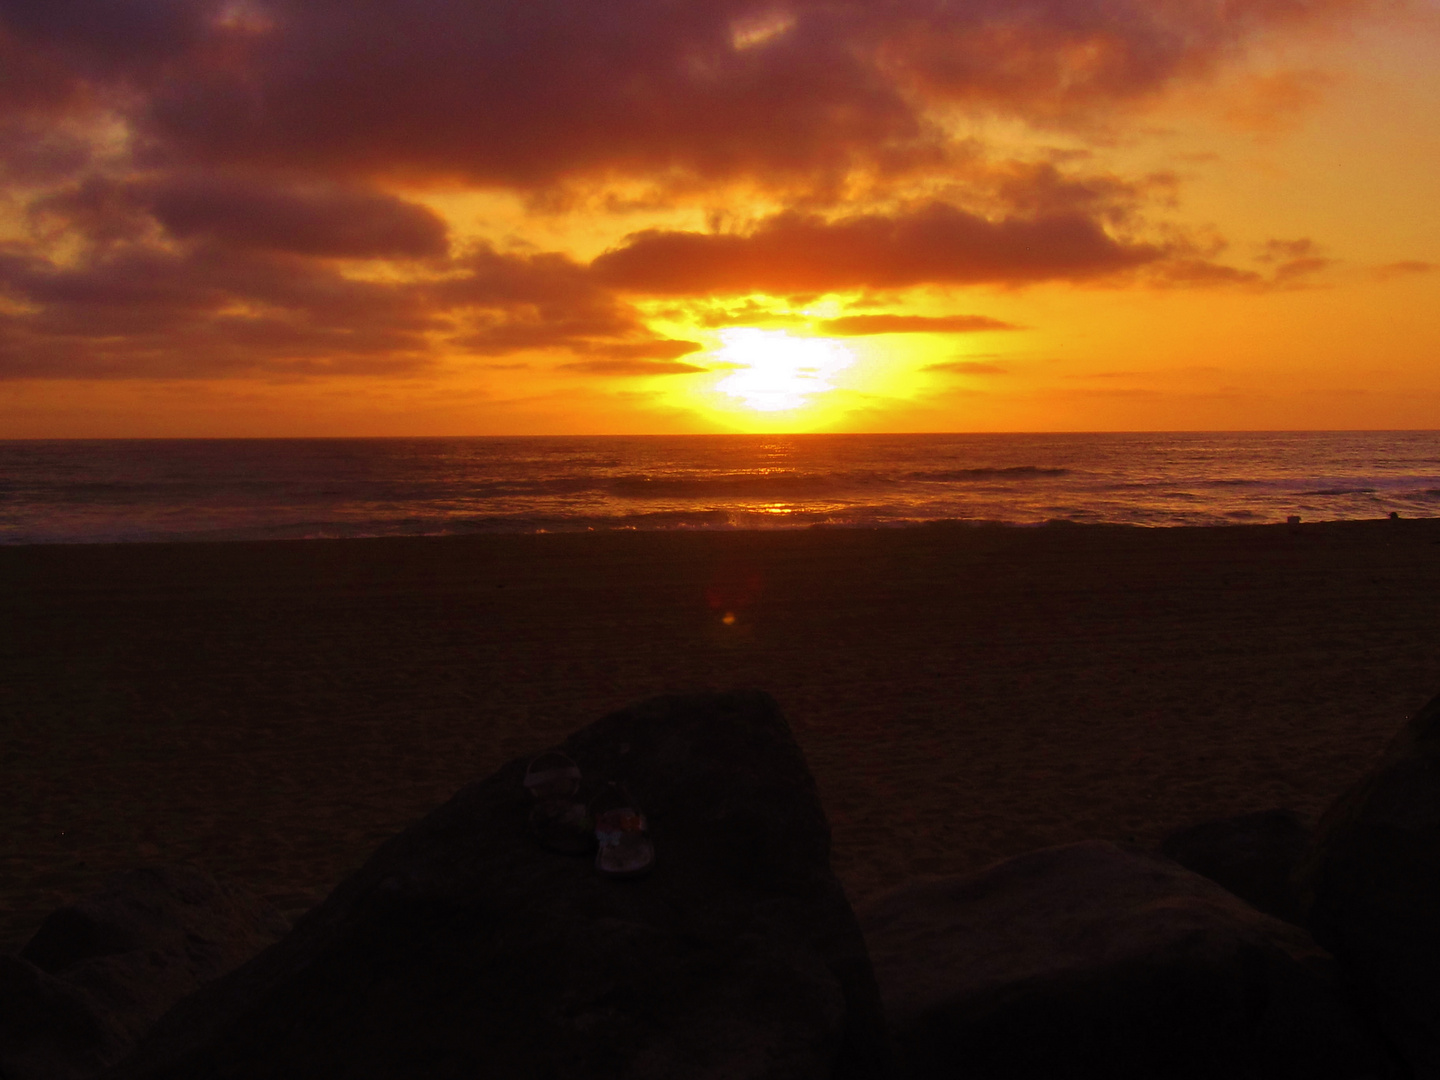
<point x="735" y="434"/>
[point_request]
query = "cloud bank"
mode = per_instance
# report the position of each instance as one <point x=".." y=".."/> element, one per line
<point x="202" y="188"/>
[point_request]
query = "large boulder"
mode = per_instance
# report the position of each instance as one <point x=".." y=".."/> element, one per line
<point x="1371" y="887"/>
<point x="51" y="1030"/>
<point x="1252" y="855"/>
<point x="101" y="971"/>
<point x="464" y="948"/>
<point x="1096" y="960"/>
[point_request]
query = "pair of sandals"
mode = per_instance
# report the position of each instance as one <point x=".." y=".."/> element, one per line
<point x="611" y="825"/>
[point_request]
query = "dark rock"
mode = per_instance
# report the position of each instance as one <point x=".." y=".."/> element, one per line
<point x="179" y="913"/>
<point x="1371" y="888"/>
<point x="1093" y="960"/>
<point x="464" y="948"/>
<point x="1253" y="855"/>
<point x="99" y="972"/>
<point x="51" y="1030"/>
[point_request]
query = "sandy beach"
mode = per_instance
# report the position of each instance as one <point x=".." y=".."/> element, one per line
<point x="273" y="711"/>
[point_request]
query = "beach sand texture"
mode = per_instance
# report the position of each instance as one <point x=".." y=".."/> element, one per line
<point x="273" y="711"/>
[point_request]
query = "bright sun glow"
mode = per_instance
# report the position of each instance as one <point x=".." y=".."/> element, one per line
<point x="775" y="371"/>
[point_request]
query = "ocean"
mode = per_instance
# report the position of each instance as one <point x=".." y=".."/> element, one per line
<point x="103" y="491"/>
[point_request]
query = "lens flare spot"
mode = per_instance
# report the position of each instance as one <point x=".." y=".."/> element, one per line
<point x="759" y="29"/>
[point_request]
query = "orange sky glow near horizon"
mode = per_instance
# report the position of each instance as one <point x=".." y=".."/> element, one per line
<point x="252" y="218"/>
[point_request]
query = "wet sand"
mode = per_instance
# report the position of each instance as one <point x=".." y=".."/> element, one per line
<point x="272" y="711"/>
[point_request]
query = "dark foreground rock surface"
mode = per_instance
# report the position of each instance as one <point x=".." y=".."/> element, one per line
<point x="1097" y="961"/>
<point x="1372" y="889"/>
<point x="464" y="949"/>
<point x="1254" y="856"/>
<point x="101" y="971"/>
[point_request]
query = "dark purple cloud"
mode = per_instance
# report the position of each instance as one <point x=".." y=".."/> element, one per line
<point x="1059" y="59"/>
<point x="515" y="302"/>
<point x="98" y="210"/>
<point x="74" y="56"/>
<point x="115" y="35"/>
<point x="324" y="221"/>
<point x="932" y="245"/>
<point x="140" y="310"/>
<point x="523" y="95"/>
<point x="254" y="213"/>
<point x="145" y="312"/>
<point x="528" y="94"/>
<point x="33" y="152"/>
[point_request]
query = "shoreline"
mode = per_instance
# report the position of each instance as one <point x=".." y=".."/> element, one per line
<point x="936" y="524"/>
<point x="272" y="710"/>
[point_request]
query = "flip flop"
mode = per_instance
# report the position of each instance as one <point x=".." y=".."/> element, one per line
<point x="625" y="851"/>
<point x="558" y="820"/>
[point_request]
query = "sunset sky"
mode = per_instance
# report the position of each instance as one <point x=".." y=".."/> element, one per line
<point x="411" y="217"/>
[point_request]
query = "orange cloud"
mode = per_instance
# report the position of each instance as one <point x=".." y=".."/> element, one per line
<point x="967" y="367"/>
<point x="859" y="325"/>
<point x="653" y="349"/>
<point x="1269" y="103"/>
<point x="1404" y="268"/>
<point x="1293" y="260"/>
<point x="632" y="367"/>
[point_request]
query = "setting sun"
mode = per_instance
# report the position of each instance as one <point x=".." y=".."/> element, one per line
<point x="774" y="371"/>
